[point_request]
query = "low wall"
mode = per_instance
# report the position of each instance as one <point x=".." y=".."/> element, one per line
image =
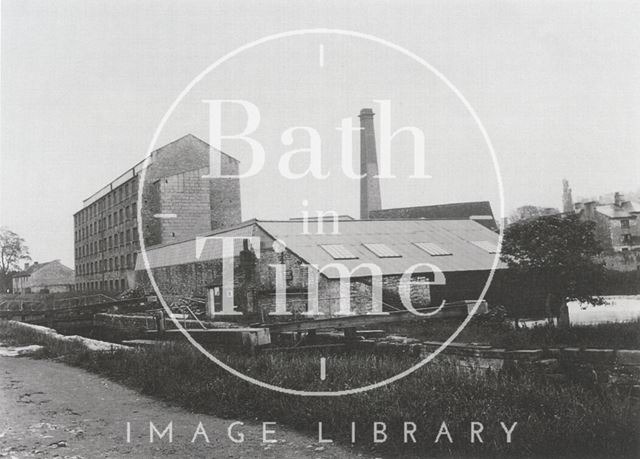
<point x="595" y="366"/>
<point x="51" y="334"/>
<point x="622" y="261"/>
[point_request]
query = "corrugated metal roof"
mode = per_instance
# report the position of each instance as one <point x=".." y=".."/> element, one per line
<point x="399" y="235"/>
<point x="186" y="251"/>
<point x="453" y="235"/>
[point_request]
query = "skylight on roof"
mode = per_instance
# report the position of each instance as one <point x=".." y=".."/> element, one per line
<point x="486" y="245"/>
<point x="432" y="249"/>
<point x="338" y="251"/>
<point x="382" y="250"/>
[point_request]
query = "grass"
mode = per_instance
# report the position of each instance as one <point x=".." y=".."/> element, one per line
<point x="502" y="335"/>
<point x="559" y="420"/>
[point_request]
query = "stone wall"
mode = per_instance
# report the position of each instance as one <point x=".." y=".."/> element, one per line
<point x="622" y="261"/>
<point x="600" y="367"/>
<point x="255" y="283"/>
<point x="173" y="185"/>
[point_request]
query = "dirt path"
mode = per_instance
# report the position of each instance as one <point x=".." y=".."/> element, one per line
<point x="48" y="410"/>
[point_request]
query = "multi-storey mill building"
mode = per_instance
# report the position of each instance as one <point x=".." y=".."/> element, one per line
<point x="178" y="203"/>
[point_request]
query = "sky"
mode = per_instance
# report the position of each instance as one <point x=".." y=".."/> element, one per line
<point x="85" y="85"/>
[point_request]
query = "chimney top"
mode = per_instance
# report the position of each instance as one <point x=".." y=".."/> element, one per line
<point x="366" y="113"/>
<point x="618" y="199"/>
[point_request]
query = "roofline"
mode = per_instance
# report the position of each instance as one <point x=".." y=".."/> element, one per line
<point x="259" y="221"/>
<point x="372" y="220"/>
<point x="207" y="234"/>
<point x="24" y="273"/>
<point x="110" y="184"/>
<point x="436" y="205"/>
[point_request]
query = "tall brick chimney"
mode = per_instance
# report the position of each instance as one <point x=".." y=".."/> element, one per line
<point x="369" y="185"/>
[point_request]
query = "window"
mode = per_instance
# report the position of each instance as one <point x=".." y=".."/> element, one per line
<point x="129" y="261"/>
<point x="338" y="252"/>
<point x="624" y="224"/>
<point x="127" y="212"/>
<point x="134" y="209"/>
<point x="490" y="247"/>
<point x="382" y="250"/>
<point x="626" y="239"/>
<point x="128" y="236"/>
<point x="115" y="263"/>
<point x="432" y="249"/>
<point x="121" y="212"/>
<point x="109" y="221"/>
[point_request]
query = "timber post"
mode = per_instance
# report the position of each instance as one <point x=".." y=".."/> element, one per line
<point x="160" y="323"/>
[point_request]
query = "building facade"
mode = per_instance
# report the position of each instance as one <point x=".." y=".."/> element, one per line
<point x="49" y="277"/>
<point x="178" y="202"/>
<point x="301" y="260"/>
<point x="617" y="223"/>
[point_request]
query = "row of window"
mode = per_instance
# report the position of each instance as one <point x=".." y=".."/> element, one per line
<point x="112" y="285"/>
<point x="108" y="243"/>
<point x="109" y="264"/>
<point x="109" y="221"/>
<point x="340" y="252"/>
<point x="114" y="197"/>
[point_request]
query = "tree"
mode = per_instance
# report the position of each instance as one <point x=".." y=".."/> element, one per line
<point x="557" y="254"/>
<point x="527" y="212"/>
<point x="12" y="251"/>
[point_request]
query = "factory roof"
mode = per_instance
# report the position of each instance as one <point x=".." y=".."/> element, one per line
<point x="475" y="210"/>
<point x="392" y="245"/>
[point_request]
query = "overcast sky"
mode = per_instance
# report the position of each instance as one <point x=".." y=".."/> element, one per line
<point x="86" y="83"/>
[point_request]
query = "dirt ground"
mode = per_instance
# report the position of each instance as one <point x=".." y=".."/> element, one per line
<point x="51" y="410"/>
